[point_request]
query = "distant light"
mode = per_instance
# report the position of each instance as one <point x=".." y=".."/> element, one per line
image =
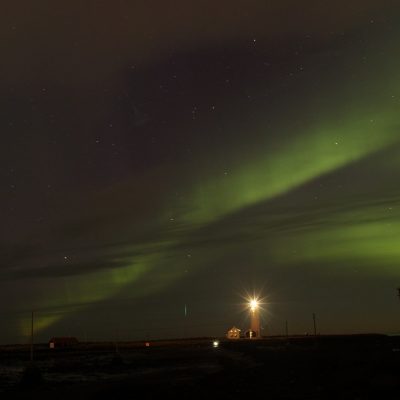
<point x="215" y="343"/>
<point x="253" y="304"/>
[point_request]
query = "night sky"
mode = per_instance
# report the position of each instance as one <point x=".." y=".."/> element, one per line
<point x="161" y="159"/>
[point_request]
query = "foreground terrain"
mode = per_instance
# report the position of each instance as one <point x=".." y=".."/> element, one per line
<point x="325" y="367"/>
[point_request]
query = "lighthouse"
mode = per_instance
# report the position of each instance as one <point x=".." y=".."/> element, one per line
<point x="254" y="332"/>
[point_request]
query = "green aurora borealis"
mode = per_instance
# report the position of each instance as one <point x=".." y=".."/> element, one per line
<point x="285" y="180"/>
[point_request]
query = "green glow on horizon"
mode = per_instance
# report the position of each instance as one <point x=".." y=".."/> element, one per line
<point x="367" y="239"/>
<point x="42" y="321"/>
<point x="82" y="291"/>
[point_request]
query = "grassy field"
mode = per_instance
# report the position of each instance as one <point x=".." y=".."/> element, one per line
<point x="323" y="367"/>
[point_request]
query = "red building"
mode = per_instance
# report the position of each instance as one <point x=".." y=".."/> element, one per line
<point x="68" y="341"/>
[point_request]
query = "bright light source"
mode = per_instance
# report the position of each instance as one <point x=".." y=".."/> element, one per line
<point x="215" y="343"/>
<point x="253" y="304"/>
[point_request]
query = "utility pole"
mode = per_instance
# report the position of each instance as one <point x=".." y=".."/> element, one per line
<point x="116" y="342"/>
<point x="315" y="324"/>
<point x="286" y="329"/>
<point x="32" y="336"/>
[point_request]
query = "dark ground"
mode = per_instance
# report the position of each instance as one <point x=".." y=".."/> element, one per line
<point x="326" y="367"/>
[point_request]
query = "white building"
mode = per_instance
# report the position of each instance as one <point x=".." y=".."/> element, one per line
<point x="233" y="333"/>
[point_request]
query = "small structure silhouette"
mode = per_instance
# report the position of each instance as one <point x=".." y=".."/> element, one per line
<point x="250" y="334"/>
